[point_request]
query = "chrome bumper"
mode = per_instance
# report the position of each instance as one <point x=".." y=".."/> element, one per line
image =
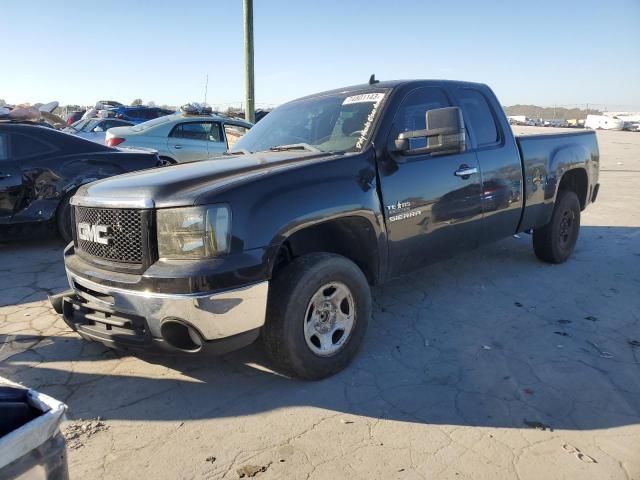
<point x="214" y="316"/>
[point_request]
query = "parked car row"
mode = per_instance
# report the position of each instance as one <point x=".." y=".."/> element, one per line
<point x="592" y="122"/>
<point x="139" y="114"/>
<point x="41" y="168"/>
<point x="181" y="137"/>
<point x="111" y="109"/>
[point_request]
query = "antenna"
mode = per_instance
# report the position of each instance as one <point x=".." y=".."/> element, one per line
<point x="372" y="79"/>
<point x="206" y="86"/>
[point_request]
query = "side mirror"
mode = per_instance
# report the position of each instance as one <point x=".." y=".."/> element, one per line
<point x="98" y="129"/>
<point x="445" y="133"/>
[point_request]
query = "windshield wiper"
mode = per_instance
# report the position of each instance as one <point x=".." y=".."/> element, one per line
<point x="295" y="146"/>
<point x="240" y="151"/>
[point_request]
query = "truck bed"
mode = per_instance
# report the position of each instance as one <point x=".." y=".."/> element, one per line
<point x="544" y="158"/>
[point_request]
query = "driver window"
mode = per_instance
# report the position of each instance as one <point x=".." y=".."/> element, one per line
<point x="412" y="112"/>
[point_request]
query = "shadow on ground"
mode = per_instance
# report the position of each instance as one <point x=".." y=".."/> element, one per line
<point x="490" y="338"/>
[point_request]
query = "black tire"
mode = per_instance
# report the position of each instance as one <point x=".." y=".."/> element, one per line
<point x="63" y="218"/>
<point x="167" y="162"/>
<point x="290" y="294"/>
<point x="554" y="243"/>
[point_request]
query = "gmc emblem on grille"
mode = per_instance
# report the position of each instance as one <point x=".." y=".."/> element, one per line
<point x="93" y="233"/>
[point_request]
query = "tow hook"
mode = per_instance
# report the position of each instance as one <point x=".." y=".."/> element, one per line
<point x="57" y="299"/>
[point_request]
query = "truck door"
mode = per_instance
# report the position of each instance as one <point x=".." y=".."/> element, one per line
<point x="499" y="162"/>
<point x="432" y="210"/>
<point x="10" y="180"/>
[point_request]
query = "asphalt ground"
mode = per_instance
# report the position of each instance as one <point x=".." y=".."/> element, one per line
<point x="490" y="365"/>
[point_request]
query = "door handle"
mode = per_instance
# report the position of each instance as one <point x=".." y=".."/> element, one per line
<point x="4" y="175"/>
<point x="177" y="147"/>
<point x="465" y="171"/>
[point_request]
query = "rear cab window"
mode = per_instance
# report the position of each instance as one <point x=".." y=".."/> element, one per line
<point x="479" y="116"/>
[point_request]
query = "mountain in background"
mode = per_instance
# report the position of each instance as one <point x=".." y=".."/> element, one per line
<point x="548" y="113"/>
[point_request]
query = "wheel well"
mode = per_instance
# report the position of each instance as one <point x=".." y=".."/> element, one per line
<point x="351" y="237"/>
<point x="576" y="181"/>
<point x="169" y="159"/>
<point x="67" y="195"/>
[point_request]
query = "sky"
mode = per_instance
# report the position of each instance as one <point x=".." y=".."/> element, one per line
<point x="541" y="52"/>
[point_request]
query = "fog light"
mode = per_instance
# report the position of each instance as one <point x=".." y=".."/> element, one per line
<point x="180" y="335"/>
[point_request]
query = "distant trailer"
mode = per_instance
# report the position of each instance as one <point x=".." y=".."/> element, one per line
<point x="518" y="119"/>
<point x="602" y="122"/>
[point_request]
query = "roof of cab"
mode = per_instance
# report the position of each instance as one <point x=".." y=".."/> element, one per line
<point x="391" y="84"/>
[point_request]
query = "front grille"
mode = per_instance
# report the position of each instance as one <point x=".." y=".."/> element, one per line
<point x="125" y="234"/>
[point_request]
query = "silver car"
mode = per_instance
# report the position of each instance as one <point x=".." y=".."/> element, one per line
<point x="94" y="129"/>
<point x="181" y="137"/>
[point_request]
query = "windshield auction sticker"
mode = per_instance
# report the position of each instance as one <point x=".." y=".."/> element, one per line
<point x="365" y="97"/>
<point x="375" y="99"/>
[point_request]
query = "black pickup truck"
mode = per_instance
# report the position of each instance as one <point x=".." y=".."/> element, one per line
<point x="327" y="195"/>
<point x="40" y="170"/>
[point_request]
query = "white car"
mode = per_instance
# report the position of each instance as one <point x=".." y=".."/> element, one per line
<point x="182" y="137"/>
<point x="95" y="129"/>
<point x="603" y="122"/>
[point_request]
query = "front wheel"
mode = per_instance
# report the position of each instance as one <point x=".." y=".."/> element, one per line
<point x="318" y="311"/>
<point x="554" y="243"/>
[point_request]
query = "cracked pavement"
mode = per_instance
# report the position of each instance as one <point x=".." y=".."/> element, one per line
<point x="490" y="365"/>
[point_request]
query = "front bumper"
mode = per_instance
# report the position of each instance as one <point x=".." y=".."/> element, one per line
<point x="120" y="317"/>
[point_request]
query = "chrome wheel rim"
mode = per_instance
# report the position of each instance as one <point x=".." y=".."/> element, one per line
<point x="329" y="319"/>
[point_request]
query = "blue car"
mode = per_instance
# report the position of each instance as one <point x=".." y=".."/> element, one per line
<point x="140" y="114"/>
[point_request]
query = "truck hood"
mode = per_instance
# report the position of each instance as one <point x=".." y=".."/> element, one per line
<point x="182" y="184"/>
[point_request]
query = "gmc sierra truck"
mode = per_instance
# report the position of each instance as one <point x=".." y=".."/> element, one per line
<point x="282" y="236"/>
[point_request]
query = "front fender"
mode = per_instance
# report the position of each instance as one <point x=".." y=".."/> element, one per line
<point x="269" y="209"/>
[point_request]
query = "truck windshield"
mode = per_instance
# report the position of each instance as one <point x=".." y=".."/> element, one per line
<point x="331" y="123"/>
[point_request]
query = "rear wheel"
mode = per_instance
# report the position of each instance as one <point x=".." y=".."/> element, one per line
<point x="554" y="243"/>
<point x="319" y="308"/>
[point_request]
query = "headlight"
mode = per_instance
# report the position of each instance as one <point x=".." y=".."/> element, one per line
<point x="193" y="232"/>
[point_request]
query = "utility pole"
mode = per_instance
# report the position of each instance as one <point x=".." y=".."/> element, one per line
<point x="249" y="97"/>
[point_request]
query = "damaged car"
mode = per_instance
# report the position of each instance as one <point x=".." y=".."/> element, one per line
<point x="41" y="169"/>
